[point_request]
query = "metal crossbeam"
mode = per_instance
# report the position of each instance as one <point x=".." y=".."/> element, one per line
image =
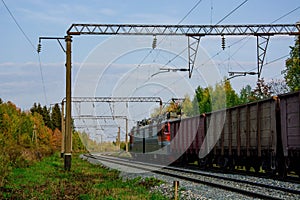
<point x="116" y="99"/>
<point x="196" y="30"/>
<point x="100" y="126"/>
<point x="98" y="117"/>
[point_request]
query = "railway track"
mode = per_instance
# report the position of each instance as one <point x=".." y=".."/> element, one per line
<point x="236" y="185"/>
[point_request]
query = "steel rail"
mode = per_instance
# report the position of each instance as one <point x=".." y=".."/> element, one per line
<point x="143" y="166"/>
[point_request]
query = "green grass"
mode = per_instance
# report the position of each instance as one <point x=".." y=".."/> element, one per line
<point x="48" y="180"/>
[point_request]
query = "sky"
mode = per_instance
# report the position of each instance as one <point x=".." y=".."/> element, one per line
<point x="112" y="65"/>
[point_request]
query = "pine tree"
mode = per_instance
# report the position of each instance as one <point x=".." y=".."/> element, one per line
<point x="46" y="117"/>
<point x="56" y="117"/>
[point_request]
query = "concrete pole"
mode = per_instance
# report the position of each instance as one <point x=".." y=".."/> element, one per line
<point x="63" y="129"/>
<point x="118" y="138"/>
<point x="126" y="135"/>
<point x="68" y="133"/>
<point x="160" y="107"/>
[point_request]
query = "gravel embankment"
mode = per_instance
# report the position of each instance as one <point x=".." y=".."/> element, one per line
<point x="188" y="190"/>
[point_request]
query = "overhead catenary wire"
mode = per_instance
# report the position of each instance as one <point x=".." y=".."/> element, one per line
<point x="231" y="12"/>
<point x="32" y="45"/>
<point x="235" y="44"/>
<point x="247" y="37"/>
<point x="189" y="12"/>
<point x="180" y="21"/>
<point x="43" y="81"/>
<point x="18" y="25"/>
<point x="159" y="42"/>
<point x="283" y="16"/>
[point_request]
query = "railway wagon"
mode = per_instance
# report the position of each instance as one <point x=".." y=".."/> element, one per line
<point x="148" y="138"/>
<point x="263" y="135"/>
<point x="290" y="130"/>
<point x="244" y="135"/>
<point x="186" y="136"/>
<point x="141" y="134"/>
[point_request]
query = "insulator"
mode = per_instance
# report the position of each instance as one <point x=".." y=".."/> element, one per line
<point x="39" y="47"/>
<point x="223" y="42"/>
<point x="154" y="42"/>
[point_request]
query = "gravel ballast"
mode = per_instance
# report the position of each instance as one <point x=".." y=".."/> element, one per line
<point x="189" y="190"/>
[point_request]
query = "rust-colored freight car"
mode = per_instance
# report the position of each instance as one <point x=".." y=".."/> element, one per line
<point x="186" y="136"/>
<point x="263" y="135"/>
<point x="290" y="130"/>
<point x="247" y="135"/>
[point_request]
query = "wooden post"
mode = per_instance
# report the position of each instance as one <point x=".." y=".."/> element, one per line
<point x="63" y="129"/>
<point x="176" y="186"/>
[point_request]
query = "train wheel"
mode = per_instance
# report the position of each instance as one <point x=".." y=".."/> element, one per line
<point x="202" y="163"/>
<point x="232" y="164"/>
<point x="282" y="168"/>
<point x="256" y="167"/>
<point x="248" y="166"/>
<point x="225" y="164"/>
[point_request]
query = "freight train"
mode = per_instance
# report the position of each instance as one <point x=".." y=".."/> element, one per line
<point x="263" y="135"/>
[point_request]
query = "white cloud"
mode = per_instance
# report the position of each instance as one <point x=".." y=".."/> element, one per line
<point x="108" y="12"/>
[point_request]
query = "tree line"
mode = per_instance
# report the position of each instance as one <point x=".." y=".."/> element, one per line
<point x="28" y="136"/>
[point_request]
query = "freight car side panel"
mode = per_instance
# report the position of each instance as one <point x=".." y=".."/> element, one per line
<point x="268" y="124"/>
<point x="187" y="135"/>
<point x="248" y="128"/>
<point x="197" y="131"/>
<point x="253" y="125"/>
<point x="290" y="121"/>
<point x="175" y="137"/>
<point x="214" y="128"/>
<point x="262" y="125"/>
<point x="243" y="126"/>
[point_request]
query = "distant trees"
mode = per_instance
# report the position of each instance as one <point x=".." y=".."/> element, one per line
<point x="51" y="119"/>
<point x="246" y="95"/>
<point x="56" y="117"/>
<point x="278" y="86"/>
<point x="187" y="106"/>
<point x="209" y="99"/>
<point x="27" y="136"/>
<point x="222" y="95"/>
<point x="262" y="90"/>
<point x="202" y="100"/>
<point x="23" y="138"/>
<point x="292" y="71"/>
